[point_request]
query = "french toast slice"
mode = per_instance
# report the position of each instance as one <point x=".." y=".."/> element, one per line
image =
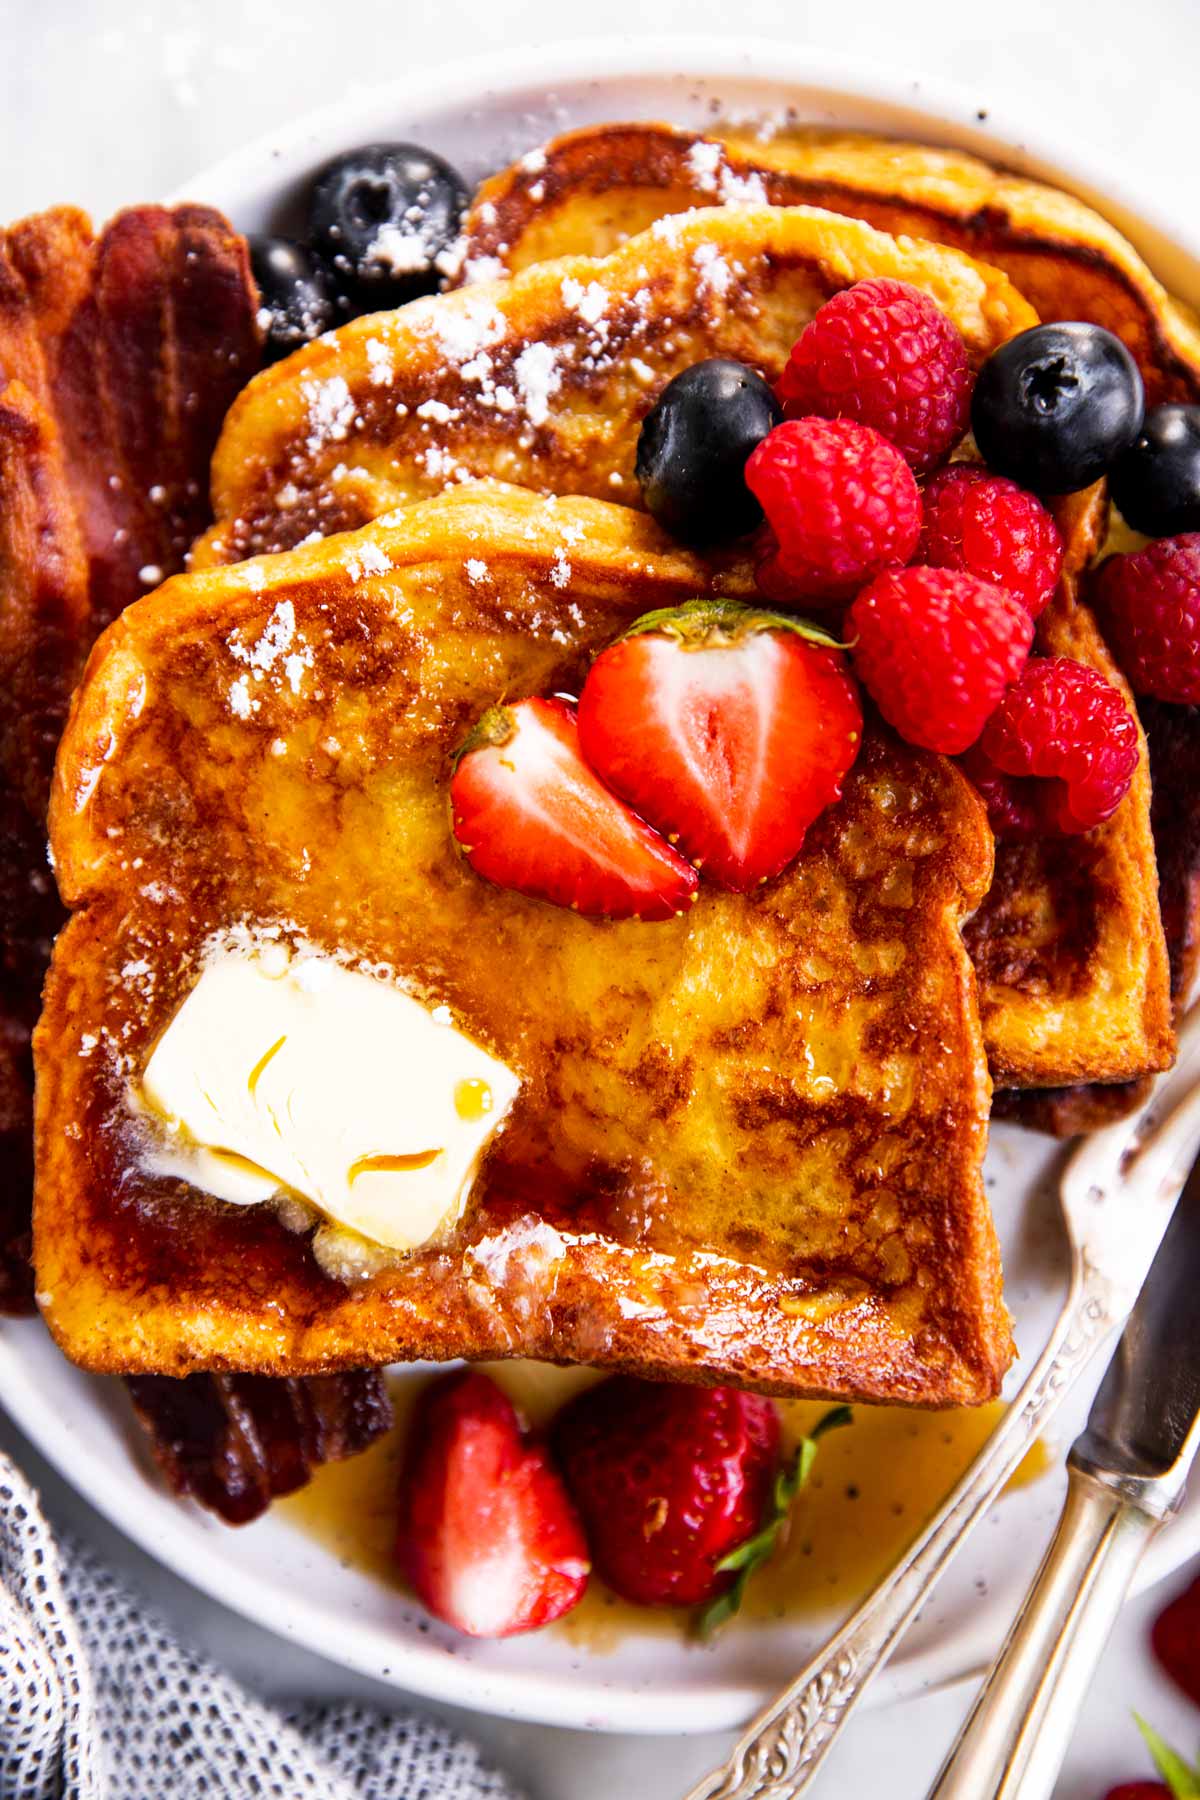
<point x="399" y="404"/>
<point x="1068" y="945"/>
<point x="544" y="380"/>
<point x="747" y="1142"/>
<point x="589" y="190"/>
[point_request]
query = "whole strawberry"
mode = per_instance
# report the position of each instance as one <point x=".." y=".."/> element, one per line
<point x="841" y="503"/>
<point x="992" y="528"/>
<point x="1058" y="754"/>
<point x="669" y="1481"/>
<point x="727" y="729"/>
<point x="487" y="1534"/>
<point x="1175" y="1639"/>
<point x="1149" y="606"/>
<point x="936" y="649"/>
<point x="882" y="353"/>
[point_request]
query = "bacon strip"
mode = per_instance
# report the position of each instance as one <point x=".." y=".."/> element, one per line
<point x="237" y="1442"/>
<point x="119" y="357"/>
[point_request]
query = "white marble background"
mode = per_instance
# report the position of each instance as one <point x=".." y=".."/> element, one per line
<point x="104" y="102"/>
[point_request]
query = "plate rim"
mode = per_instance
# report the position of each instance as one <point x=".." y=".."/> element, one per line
<point x="948" y="113"/>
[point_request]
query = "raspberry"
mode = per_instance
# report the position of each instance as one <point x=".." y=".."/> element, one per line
<point x="936" y="649"/>
<point x="1069" y="740"/>
<point x="992" y="528"/>
<point x="1149" y="605"/>
<point x="841" y="502"/>
<point x="882" y="353"/>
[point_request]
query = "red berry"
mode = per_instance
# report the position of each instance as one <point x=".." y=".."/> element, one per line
<point x="992" y="528"/>
<point x="669" y="1480"/>
<point x="1149" y="604"/>
<point x="883" y="353"/>
<point x="841" y="502"/>
<point x="487" y="1536"/>
<point x="531" y="815"/>
<point x="1071" y="742"/>
<point x="1139" y="1790"/>
<point x="1175" y="1639"/>
<point x="729" y="730"/>
<point x="936" y="649"/>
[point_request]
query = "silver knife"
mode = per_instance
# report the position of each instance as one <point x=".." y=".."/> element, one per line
<point x="1126" y="1476"/>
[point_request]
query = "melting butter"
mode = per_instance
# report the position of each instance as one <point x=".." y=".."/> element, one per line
<point x="293" y="1074"/>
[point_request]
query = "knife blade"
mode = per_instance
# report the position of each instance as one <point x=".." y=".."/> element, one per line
<point x="1142" y="1426"/>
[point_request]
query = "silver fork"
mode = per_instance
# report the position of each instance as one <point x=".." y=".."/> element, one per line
<point x="1117" y="1193"/>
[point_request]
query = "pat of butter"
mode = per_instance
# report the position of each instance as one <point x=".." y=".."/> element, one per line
<point x="296" y="1073"/>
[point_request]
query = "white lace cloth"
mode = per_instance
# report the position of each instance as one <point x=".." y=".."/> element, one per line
<point x="99" y="1702"/>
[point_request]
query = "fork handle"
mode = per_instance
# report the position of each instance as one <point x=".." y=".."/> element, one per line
<point x="1016" y="1734"/>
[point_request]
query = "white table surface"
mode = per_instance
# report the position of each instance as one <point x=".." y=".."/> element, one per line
<point x="104" y="102"/>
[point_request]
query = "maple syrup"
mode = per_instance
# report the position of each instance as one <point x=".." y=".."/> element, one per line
<point x="873" y="1486"/>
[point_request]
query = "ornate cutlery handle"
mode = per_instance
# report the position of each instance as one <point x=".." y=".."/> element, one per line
<point x="782" y="1749"/>
<point x="1017" y="1732"/>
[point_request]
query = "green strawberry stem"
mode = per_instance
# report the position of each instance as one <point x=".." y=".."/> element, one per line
<point x="758" y="1549"/>
<point x="1181" y="1777"/>
<point x="701" y="624"/>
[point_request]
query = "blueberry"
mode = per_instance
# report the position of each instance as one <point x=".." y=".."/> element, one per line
<point x="295" y="292"/>
<point x="1156" y="483"/>
<point x="691" y="455"/>
<point x="381" y="216"/>
<point x="1056" y="405"/>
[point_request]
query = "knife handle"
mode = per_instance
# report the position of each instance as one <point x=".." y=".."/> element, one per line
<point x="1012" y="1744"/>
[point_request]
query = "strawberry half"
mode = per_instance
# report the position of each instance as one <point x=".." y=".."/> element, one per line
<point x="488" y="1536"/>
<point x="727" y="728"/>
<point x="530" y="815"/>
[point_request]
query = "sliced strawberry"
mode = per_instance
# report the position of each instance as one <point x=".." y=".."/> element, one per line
<point x="727" y="728"/>
<point x="488" y="1536"/>
<point x="531" y="815"/>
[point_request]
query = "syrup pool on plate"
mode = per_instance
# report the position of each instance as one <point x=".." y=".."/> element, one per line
<point x="873" y="1486"/>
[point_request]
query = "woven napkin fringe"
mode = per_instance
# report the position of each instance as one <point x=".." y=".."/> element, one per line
<point x="98" y="1701"/>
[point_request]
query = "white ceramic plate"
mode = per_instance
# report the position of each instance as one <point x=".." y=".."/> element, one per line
<point x="481" y="115"/>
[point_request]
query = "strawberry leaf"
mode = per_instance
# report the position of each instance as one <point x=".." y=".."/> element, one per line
<point x="1182" y="1779"/>
<point x="757" y="1550"/>
<point x="698" y="624"/>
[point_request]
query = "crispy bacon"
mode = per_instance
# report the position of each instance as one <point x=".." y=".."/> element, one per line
<point x="237" y="1442"/>
<point x="119" y="357"/>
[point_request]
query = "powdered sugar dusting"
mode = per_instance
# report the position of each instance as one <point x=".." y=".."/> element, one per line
<point x="714" y="272"/>
<point x="279" y="646"/>
<point x="538" y="378"/>
<point x="380" y="366"/>
<point x="331" y="410"/>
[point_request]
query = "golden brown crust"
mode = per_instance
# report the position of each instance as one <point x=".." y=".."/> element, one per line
<point x="545" y="380"/>
<point x="771" y="1177"/>
<point x="1173" y="742"/>
<point x="602" y="183"/>
<point x="1068" y="946"/>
